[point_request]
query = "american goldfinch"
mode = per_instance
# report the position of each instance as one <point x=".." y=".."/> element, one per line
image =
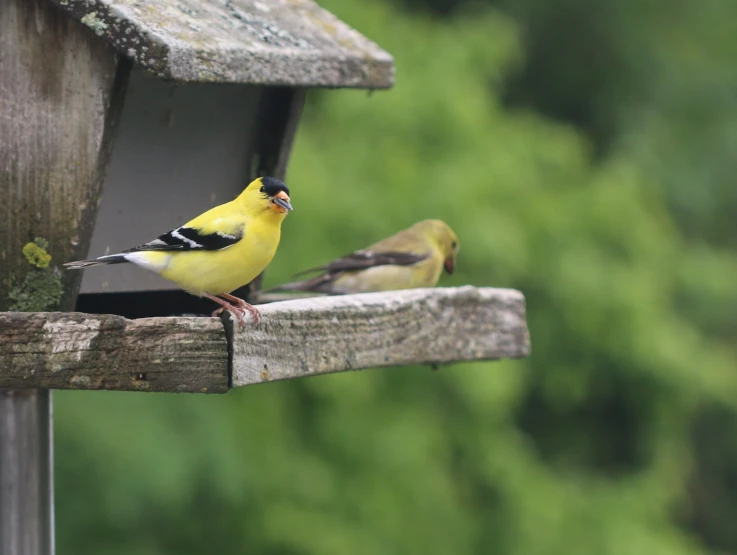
<point x="218" y="251"/>
<point x="412" y="258"/>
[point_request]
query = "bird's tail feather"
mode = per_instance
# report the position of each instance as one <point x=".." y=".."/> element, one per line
<point x="101" y="261"/>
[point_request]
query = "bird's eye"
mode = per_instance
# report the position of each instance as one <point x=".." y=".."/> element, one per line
<point x="263" y="189"/>
<point x="453" y="245"/>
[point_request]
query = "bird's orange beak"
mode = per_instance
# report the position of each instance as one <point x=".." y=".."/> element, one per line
<point x="280" y="203"/>
<point x="450" y="265"/>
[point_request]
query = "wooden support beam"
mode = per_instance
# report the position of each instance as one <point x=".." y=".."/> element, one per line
<point x="26" y="481"/>
<point x="296" y="338"/>
<point x="280" y="109"/>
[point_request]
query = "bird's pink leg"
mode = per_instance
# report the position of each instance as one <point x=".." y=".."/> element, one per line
<point x="243" y="305"/>
<point x="236" y="311"/>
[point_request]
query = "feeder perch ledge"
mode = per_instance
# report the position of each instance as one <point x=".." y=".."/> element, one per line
<point x="295" y="339"/>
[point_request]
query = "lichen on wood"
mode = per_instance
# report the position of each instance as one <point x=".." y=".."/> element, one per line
<point x="35" y="253"/>
<point x="41" y="289"/>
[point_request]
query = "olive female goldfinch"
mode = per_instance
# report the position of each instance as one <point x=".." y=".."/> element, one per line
<point x="219" y="251"/>
<point x="413" y="257"/>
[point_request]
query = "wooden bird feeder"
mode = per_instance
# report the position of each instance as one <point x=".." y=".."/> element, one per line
<point x="119" y="120"/>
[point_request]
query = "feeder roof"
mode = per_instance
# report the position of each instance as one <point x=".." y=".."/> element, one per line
<point x="266" y="42"/>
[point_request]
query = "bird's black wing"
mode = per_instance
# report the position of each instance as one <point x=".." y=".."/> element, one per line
<point x="190" y="239"/>
<point x="360" y="260"/>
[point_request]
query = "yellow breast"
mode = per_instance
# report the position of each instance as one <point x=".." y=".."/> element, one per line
<point x="217" y="272"/>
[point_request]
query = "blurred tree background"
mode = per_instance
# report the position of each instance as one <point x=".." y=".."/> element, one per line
<point x="584" y="151"/>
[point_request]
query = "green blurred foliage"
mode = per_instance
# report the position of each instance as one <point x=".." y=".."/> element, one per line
<point x="610" y="439"/>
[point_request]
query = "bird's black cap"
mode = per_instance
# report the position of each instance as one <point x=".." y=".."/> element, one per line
<point x="271" y="186"/>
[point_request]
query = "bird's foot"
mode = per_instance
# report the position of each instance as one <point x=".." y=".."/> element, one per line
<point x="243" y="306"/>
<point x="238" y="314"/>
<point x="238" y="310"/>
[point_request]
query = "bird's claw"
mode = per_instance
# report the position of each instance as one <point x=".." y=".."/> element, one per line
<point x="239" y="313"/>
<point x="244" y="306"/>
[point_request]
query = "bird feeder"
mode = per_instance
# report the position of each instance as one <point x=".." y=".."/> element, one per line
<point x="204" y="96"/>
<point x="119" y="120"/>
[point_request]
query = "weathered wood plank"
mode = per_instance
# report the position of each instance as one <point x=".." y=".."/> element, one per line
<point x="61" y="93"/>
<point x="420" y="326"/>
<point x="296" y="338"/>
<point x="82" y="351"/>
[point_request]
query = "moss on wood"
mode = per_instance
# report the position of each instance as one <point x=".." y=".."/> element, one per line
<point x="41" y="288"/>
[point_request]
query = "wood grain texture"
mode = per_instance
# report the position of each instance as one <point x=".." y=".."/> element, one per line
<point x="61" y="91"/>
<point x="295" y="339"/>
<point x="26" y="473"/>
<point x="53" y="350"/>
<point x="419" y="326"/>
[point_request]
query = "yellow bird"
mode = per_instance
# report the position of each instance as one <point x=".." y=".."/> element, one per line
<point x="219" y="251"/>
<point x="412" y="258"/>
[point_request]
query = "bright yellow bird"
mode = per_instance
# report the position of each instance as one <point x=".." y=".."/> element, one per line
<point x="219" y="251"/>
<point x="412" y="258"/>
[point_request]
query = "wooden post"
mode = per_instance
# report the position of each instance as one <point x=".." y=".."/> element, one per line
<point x="26" y="474"/>
<point x="61" y="92"/>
